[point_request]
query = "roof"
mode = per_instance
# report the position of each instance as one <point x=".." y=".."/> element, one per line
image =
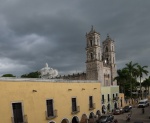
<point x="108" y="39"/>
<point x="16" y="79"/>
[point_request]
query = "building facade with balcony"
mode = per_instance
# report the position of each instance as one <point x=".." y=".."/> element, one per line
<point x="49" y="101"/>
<point x="111" y="98"/>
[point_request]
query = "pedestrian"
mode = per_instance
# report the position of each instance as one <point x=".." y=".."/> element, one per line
<point x="143" y="110"/>
<point x="128" y="117"/>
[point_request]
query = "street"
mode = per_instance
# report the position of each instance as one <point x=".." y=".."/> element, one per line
<point x="136" y="116"/>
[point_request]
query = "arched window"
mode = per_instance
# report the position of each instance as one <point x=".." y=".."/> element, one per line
<point x="65" y="121"/>
<point x="84" y="119"/>
<point x="91" y="115"/>
<point x="106" y="49"/>
<point x="91" y="43"/>
<point x="75" y="119"/>
<point x="107" y="60"/>
<point x="112" y="48"/>
<point x="91" y="55"/>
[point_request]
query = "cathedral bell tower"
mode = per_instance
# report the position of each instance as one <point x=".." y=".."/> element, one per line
<point x="94" y="64"/>
<point x="108" y="57"/>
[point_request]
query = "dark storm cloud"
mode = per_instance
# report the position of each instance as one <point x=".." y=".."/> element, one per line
<point x="34" y="32"/>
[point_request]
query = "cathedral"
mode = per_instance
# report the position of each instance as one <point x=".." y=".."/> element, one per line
<point x="100" y="60"/>
<point x="100" y="64"/>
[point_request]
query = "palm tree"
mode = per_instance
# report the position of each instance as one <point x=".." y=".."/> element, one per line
<point x="141" y="71"/>
<point x="148" y="83"/>
<point x="121" y="79"/>
<point x="131" y="70"/>
<point x="145" y="85"/>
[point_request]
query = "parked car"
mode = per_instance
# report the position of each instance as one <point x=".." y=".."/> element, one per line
<point x="106" y="118"/>
<point x="127" y="108"/>
<point x="143" y="103"/>
<point x="118" y="111"/>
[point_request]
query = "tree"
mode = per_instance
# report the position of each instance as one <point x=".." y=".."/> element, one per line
<point x="146" y="85"/>
<point x="131" y="70"/>
<point x="141" y="71"/>
<point x="8" y="75"/>
<point x="121" y="79"/>
<point x="31" y="75"/>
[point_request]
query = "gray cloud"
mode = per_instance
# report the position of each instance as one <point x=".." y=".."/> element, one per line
<point x="34" y="32"/>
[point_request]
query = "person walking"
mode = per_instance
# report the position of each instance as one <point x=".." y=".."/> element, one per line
<point x="143" y="110"/>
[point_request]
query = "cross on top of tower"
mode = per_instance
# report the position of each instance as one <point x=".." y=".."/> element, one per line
<point x="92" y="30"/>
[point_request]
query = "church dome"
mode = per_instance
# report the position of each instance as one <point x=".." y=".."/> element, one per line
<point x="48" y="72"/>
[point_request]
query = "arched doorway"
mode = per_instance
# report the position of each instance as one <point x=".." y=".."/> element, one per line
<point x="115" y="105"/>
<point x="91" y="115"/>
<point x="84" y="118"/>
<point x="98" y="113"/>
<point x="75" y="119"/>
<point x="65" y="121"/>
<point x="108" y="107"/>
<point x="91" y="118"/>
<point x="51" y="122"/>
<point x="103" y="109"/>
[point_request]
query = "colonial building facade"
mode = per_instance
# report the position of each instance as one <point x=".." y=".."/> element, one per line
<point x="49" y="101"/>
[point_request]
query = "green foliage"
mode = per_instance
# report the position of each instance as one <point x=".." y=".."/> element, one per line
<point x="31" y="75"/>
<point x="127" y="78"/>
<point x="8" y="75"/>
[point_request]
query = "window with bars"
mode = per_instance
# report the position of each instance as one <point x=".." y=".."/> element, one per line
<point x="74" y="105"/>
<point x="113" y="96"/>
<point x="108" y="97"/>
<point x="91" y="101"/>
<point x="17" y="112"/>
<point x="103" y="98"/>
<point x="50" y="111"/>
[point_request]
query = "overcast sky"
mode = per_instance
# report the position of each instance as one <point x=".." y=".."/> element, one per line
<point x="35" y="32"/>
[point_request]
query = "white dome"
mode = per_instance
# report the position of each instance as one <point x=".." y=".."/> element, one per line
<point x="48" y="72"/>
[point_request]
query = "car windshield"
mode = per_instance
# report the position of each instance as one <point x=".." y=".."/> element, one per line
<point x="141" y="102"/>
<point x="103" y="117"/>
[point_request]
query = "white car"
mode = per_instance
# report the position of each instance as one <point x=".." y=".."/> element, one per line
<point x="143" y="103"/>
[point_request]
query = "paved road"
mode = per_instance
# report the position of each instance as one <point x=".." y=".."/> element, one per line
<point x="136" y="116"/>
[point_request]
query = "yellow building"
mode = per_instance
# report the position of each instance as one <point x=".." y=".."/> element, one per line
<point x="49" y="101"/>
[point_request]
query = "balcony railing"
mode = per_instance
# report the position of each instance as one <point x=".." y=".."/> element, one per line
<point x="76" y="110"/>
<point x="25" y="119"/>
<point x="51" y="116"/>
<point x="92" y="106"/>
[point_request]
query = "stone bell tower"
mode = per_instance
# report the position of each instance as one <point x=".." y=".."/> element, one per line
<point x="109" y="57"/>
<point x="94" y="64"/>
